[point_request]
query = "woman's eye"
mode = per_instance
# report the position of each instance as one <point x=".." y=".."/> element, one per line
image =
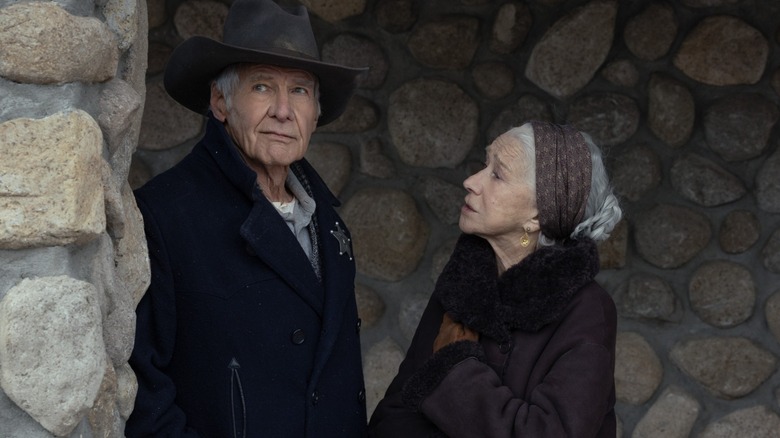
<point x="261" y="87"/>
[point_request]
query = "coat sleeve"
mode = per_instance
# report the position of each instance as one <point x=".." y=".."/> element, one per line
<point x="155" y="412"/>
<point x="571" y="400"/>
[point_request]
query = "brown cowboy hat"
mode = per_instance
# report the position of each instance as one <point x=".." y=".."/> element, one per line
<point x="259" y="32"/>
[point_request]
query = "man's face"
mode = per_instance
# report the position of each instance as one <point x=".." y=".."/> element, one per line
<point x="272" y="115"/>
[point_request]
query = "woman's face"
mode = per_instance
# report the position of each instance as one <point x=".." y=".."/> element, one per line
<point x="501" y="201"/>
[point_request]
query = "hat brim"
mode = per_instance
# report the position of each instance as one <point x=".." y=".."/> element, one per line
<point x="198" y="60"/>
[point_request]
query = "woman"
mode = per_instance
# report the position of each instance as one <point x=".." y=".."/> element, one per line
<point x="518" y="340"/>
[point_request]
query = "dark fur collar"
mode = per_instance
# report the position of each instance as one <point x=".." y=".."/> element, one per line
<point x="526" y="297"/>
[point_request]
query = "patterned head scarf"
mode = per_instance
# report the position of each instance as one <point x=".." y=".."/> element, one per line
<point x="563" y="172"/>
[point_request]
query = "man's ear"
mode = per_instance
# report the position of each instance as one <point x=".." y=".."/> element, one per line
<point x="218" y="104"/>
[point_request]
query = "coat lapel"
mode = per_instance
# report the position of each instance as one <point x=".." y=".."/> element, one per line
<point x="338" y="277"/>
<point x="271" y="240"/>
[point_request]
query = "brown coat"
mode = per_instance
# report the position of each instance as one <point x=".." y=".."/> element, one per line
<point x="544" y="364"/>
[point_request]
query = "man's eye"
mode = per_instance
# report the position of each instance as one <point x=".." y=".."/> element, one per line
<point x="300" y="90"/>
<point x="495" y="175"/>
<point x="261" y="87"/>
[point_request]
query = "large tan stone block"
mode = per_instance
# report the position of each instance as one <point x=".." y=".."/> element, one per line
<point x="51" y="192"/>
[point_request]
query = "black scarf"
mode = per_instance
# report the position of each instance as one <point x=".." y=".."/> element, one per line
<point x="528" y="296"/>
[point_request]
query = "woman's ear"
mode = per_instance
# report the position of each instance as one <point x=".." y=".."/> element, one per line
<point x="218" y="104"/>
<point x="532" y="225"/>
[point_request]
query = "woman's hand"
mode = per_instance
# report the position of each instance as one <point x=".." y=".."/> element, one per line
<point x="451" y="331"/>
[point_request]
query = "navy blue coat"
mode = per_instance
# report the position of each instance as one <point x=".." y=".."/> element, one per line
<point x="236" y="333"/>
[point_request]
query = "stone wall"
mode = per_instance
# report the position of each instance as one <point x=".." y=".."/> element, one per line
<point x="682" y="95"/>
<point x="73" y="261"/>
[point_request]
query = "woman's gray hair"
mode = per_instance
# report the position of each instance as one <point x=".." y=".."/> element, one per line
<point x="227" y="81"/>
<point x="602" y="210"/>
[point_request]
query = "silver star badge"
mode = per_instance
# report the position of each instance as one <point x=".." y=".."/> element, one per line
<point x="344" y="241"/>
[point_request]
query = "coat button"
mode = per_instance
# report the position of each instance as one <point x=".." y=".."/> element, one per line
<point x="298" y="336"/>
<point x="315" y="398"/>
<point x="362" y="395"/>
<point x="357" y="326"/>
<point x="505" y="347"/>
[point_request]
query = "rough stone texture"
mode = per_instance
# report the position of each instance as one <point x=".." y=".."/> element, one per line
<point x="157" y="57"/>
<point x="671" y="416"/>
<point x="333" y="162"/>
<point x="776" y="81"/>
<point x="723" y="50"/>
<point x="737" y="127"/>
<point x="360" y="115"/>
<point x="83" y="71"/>
<point x="722" y="293"/>
<point x="650" y="34"/>
<point x="121" y="17"/>
<point x="669" y="236"/>
<point x="120" y="106"/>
<point x="104" y="418"/>
<point x="772" y="314"/>
<point x="358" y="51"/>
<point x="432" y="123"/>
<point x="512" y="23"/>
<point x="729" y="367"/>
<point x="767" y="188"/>
<point x="635" y="170"/>
<point x="493" y="79"/>
<point x="41" y="43"/>
<point x="446" y="43"/>
<point x="200" y="17"/>
<point x="572" y="50"/>
<point x="648" y="296"/>
<point x="444" y="199"/>
<point x="380" y="364"/>
<point x="621" y="72"/>
<point x="157" y="15"/>
<point x="739" y="230"/>
<point x="638" y="371"/>
<point x="126" y="389"/>
<point x="613" y="251"/>
<point x="51" y="349"/>
<point x="373" y="162"/>
<point x="165" y="123"/>
<point x="49" y="191"/>
<point x="395" y="15"/>
<point x="771" y="252"/>
<point x="671" y="111"/>
<point x="388" y="233"/>
<point x="702" y="181"/>
<point x="708" y="3"/>
<point x="755" y="422"/>
<point x="526" y="108"/>
<point x="370" y="305"/>
<point x="335" y="10"/>
<point x="17" y="423"/>
<point x="609" y="118"/>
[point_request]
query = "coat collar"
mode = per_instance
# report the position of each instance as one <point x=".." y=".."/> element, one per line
<point x="528" y="296"/>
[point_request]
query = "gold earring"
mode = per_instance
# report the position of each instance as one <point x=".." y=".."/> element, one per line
<point x="525" y="240"/>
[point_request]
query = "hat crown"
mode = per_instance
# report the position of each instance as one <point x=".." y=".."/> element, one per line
<point x="265" y="26"/>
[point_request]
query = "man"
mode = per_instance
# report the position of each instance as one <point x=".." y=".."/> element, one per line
<point x="249" y="327"/>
